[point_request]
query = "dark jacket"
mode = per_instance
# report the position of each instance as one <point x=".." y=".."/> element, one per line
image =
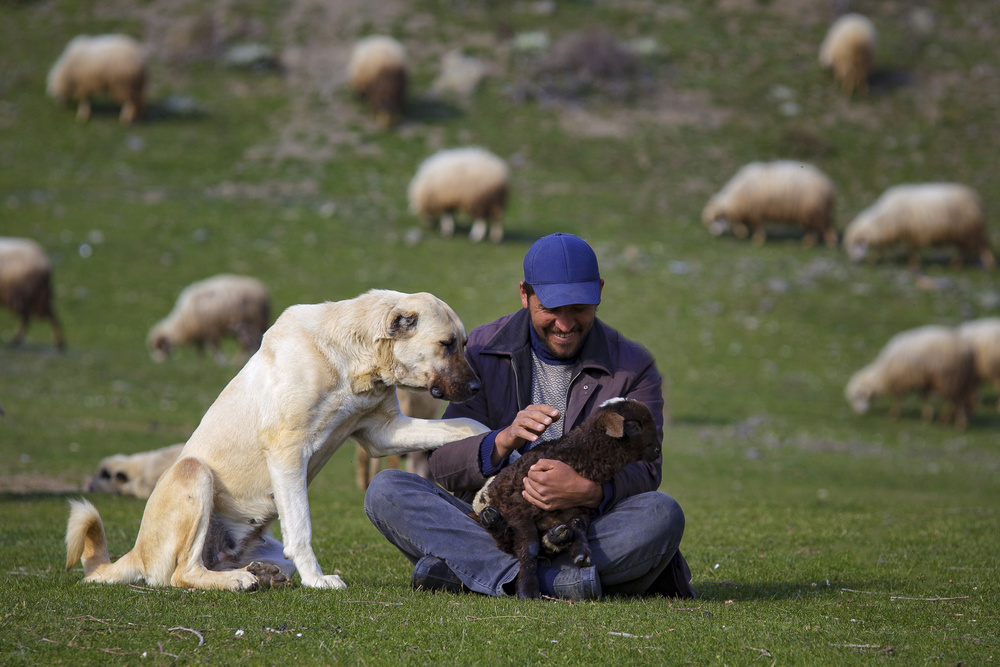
<point x="610" y="366"/>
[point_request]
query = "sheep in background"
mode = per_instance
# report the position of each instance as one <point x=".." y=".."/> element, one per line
<point x="928" y="360"/>
<point x="619" y="432"/>
<point x="26" y="285"/>
<point x="929" y="214"/>
<point x="113" y="65"/>
<point x="782" y="191"/>
<point x="418" y="404"/>
<point x="133" y="475"/>
<point x="471" y="180"/>
<point x="984" y="337"/>
<point x="378" y="73"/>
<point x="207" y="310"/>
<point x="849" y="50"/>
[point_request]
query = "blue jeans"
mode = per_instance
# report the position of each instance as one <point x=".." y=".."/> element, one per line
<point x="630" y="545"/>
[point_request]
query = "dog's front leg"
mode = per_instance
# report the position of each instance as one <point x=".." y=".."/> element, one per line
<point x="292" y="499"/>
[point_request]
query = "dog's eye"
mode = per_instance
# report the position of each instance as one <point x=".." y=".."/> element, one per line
<point x="449" y="344"/>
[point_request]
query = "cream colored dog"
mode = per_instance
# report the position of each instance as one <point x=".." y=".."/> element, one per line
<point x="133" y="475"/>
<point x="324" y="373"/>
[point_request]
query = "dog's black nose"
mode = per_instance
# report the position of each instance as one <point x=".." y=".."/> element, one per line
<point x="475" y="386"/>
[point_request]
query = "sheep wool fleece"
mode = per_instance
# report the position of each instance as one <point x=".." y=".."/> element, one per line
<point x="634" y="537"/>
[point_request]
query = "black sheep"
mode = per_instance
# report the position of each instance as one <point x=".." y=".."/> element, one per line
<point x="619" y="432"/>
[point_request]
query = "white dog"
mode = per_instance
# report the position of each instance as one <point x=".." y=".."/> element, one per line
<point x="324" y="373"/>
<point x="133" y="475"/>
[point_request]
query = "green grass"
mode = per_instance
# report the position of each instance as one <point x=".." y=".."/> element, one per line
<point x="815" y="536"/>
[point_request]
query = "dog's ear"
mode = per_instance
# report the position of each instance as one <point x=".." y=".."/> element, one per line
<point x="614" y="424"/>
<point x="402" y="323"/>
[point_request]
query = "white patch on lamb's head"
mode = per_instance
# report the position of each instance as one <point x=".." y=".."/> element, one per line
<point x="612" y="401"/>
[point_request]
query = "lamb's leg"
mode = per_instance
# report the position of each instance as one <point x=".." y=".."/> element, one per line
<point x="580" y="550"/>
<point x="496" y="232"/>
<point x="447" y="225"/>
<point x="527" y="548"/>
<point x="478" y="231"/>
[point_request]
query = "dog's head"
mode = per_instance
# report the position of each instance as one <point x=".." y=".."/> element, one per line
<point x="428" y="348"/>
<point x="112" y="476"/>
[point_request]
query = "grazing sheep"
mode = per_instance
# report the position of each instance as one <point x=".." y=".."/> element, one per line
<point x="782" y="191"/>
<point x="929" y="214"/>
<point x="471" y="180"/>
<point x="207" y="310"/>
<point x="113" y="65"/>
<point x="26" y="285"/>
<point x="849" y="50"/>
<point x="928" y="360"/>
<point x="379" y="74"/>
<point x="418" y="404"/>
<point x="984" y="337"/>
<point x="619" y="432"/>
<point x="134" y="475"/>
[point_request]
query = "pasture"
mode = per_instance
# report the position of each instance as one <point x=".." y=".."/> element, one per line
<point x="815" y="536"/>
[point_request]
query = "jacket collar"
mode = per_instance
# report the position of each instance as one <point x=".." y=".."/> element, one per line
<point x="513" y="340"/>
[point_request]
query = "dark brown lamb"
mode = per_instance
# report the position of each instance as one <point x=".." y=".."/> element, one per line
<point x="619" y="432"/>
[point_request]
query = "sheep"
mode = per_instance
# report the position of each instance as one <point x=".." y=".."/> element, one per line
<point x="207" y="310"/>
<point x="114" y="65"/>
<point x="378" y="73"/>
<point x="471" y="180"/>
<point x="927" y="214"/>
<point x="26" y="285"/>
<point x="849" y="51"/>
<point x="419" y="404"/>
<point x="619" y="432"/>
<point x="928" y="360"/>
<point x="984" y="337"/>
<point x="133" y="476"/>
<point x="781" y="191"/>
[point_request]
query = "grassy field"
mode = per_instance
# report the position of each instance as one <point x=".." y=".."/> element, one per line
<point x="815" y="535"/>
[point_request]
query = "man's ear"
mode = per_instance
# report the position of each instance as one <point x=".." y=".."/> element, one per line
<point x="614" y="424"/>
<point x="401" y="323"/>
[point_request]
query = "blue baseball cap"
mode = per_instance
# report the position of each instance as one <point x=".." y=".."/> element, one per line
<point x="562" y="269"/>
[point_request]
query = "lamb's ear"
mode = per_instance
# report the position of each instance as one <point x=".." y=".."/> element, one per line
<point x="614" y="424"/>
<point x="402" y="323"/>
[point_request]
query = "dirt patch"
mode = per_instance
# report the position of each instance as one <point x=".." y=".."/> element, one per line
<point x="25" y="484"/>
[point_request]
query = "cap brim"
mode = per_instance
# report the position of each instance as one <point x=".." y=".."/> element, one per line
<point x="565" y="294"/>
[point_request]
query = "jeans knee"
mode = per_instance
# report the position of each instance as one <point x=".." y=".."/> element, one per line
<point x="383" y="487"/>
<point x="667" y="515"/>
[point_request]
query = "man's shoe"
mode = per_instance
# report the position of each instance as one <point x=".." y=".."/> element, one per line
<point x="571" y="583"/>
<point x="433" y="574"/>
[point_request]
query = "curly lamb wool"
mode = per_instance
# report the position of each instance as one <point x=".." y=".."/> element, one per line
<point x="921" y="216"/>
<point x="471" y="180"/>
<point x="208" y="310"/>
<point x="849" y="50"/>
<point x="783" y="191"/>
<point x="984" y="337"/>
<point x="928" y="360"/>
<point x="378" y="72"/>
<point x="26" y="285"/>
<point x="112" y="65"/>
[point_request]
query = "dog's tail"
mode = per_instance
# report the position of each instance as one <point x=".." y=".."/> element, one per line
<point x="85" y="537"/>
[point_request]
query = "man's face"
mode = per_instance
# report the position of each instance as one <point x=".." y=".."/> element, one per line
<point x="562" y="330"/>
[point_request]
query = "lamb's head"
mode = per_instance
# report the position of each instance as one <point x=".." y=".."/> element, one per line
<point x="713" y="216"/>
<point x="159" y="343"/>
<point x="859" y="235"/>
<point x="631" y="424"/>
<point x="860" y="389"/>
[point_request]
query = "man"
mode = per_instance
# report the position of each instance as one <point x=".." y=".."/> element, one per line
<point x="543" y="369"/>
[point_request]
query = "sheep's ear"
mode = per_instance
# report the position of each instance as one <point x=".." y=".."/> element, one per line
<point x="614" y="425"/>
<point x="402" y="324"/>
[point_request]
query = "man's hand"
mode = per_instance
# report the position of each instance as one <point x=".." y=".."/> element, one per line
<point x="553" y="485"/>
<point x="528" y="424"/>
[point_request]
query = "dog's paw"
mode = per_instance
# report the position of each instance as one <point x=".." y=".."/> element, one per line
<point x="269" y="575"/>
<point x="326" y="581"/>
<point x="242" y="580"/>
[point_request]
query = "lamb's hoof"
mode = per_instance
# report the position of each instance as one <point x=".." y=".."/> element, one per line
<point x="582" y="560"/>
<point x="559" y="537"/>
<point x="491" y="519"/>
<point x="268" y="575"/>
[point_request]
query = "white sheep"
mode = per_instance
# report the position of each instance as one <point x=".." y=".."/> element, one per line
<point x="919" y="216"/>
<point x="378" y="72"/>
<point x="782" y="191"/>
<point x="928" y="360"/>
<point x="471" y="180"/>
<point x="112" y="65"/>
<point x="208" y="310"/>
<point x="984" y="337"/>
<point x="849" y="50"/>
<point x="26" y="285"/>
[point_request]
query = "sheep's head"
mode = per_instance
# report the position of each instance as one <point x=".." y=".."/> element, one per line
<point x="631" y="423"/>
<point x="159" y="345"/>
<point x="713" y="216"/>
<point x="859" y="391"/>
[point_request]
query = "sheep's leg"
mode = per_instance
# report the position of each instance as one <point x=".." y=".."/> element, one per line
<point x="895" y="407"/>
<point x="740" y="230"/>
<point x="22" y="329"/>
<point x="830" y="238"/>
<point x="478" y="232"/>
<point x="580" y="550"/>
<point x="557" y="538"/>
<point x="987" y="259"/>
<point x="759" y="233"/>
<point x="128" y="113"/>
<point x="527" y="548"/>
<point x="83" y="111"/>
<point x="447" y="225"/>
<point x="809" y="240"/>
<point x="914" y="258"/>
<point x="496" y="231"/>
